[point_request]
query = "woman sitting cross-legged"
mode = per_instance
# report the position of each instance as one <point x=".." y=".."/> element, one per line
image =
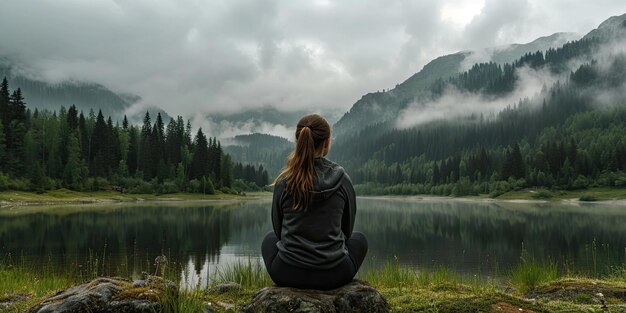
<point x="313" y="210"/>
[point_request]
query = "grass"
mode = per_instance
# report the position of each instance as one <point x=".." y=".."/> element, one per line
<point x="248" y="275"/>
<point x="527" y="275"/>
<point x="598" y="194"/>
<point x="18" y="282"/>
<point x="428" y="290"/>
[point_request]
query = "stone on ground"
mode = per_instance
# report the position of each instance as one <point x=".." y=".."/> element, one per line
<point x="110" y="295"/>
<point x="353" y="297"/>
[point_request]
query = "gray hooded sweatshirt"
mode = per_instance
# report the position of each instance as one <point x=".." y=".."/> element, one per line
<point x="315" y="238"/>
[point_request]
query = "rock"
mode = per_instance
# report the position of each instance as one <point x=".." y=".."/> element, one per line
<point x="353" y="297"/>
<point x="110" y="295"/>
<point x="224" y="287"/>
<point x="575" y="290"/>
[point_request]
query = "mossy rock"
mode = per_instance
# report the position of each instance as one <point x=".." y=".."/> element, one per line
<point x="353" y="297"/>
<point x="575" y="290"/>
<point x="111" y="295"/>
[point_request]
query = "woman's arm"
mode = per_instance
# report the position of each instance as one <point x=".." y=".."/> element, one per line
<point x="277" y="214"/>
<point x="349" y="209"/>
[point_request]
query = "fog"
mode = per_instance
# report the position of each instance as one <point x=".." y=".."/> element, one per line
<point x="530" y="83"/>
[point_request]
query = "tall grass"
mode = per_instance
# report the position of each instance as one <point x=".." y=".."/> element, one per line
<point x="617" y="273"/>
<point x="529" y="274"/>
<point x="20" y="280"/>
<point x="187" y="301"/>
<point x="247" y="274"/>
<point x="392" y="274"/>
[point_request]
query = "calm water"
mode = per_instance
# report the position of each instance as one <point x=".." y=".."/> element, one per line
<point x="471" y="238"/>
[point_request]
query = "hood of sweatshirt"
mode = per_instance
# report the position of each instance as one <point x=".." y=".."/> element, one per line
<point x="327" y="179"/>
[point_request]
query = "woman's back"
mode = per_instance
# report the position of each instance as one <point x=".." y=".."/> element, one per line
<point x="315" y="238"/>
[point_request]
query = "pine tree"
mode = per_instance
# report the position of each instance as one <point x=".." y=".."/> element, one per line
<point x="3" y="149"/>
<point x="99" y="165"/>
<point x="75" y="170"/>
<point x="146" y="161"/>
<point x="4" y="102"/>
<point x="133" y="150"/>
<point x="227" y="171"/>
<point x="17" y="106"/>
<point x="199" y="164"/>
<point x="72" y="118"/>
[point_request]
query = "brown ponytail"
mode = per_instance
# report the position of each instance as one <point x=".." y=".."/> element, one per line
<point x="311" y="133"/>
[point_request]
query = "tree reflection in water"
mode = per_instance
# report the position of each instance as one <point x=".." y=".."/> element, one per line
<point x="200" y="237"/>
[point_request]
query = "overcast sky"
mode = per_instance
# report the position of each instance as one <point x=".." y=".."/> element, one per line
<point x="213" y="56"/>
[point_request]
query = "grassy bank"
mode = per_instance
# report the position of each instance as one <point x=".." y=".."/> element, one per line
<point x="61" y="196"/>
<point x="617" y="195"/>
<point x="591" y="194"/>
<point x="65" y="196"/>
<point x="530" y="287"/>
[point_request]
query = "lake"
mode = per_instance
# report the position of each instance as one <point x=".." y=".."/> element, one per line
<point x="472" y="238"/>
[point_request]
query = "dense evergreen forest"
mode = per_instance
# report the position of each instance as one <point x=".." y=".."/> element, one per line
<point x="42" y="150"/>
<point x="571" y="136"/>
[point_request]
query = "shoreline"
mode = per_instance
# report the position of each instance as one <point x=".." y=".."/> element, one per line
<point x="69" y="197"/>
<point x="605" y="196"/>
<point x="571" y="201"/>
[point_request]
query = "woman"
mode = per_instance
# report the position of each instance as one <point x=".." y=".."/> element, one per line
<point x="313" y="209"/>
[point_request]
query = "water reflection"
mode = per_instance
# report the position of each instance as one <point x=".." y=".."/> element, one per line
<point x="489" y="237"/>
<point x="201" y="237"/>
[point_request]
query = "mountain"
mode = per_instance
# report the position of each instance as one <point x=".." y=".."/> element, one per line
<point x="381" y="107"/>
<point x="86" y="96"/>
<point x="553" y="120"/>
<point x="609" y="29"/>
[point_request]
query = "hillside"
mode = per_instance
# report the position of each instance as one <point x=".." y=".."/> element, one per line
<point x="86" y="96"/>
<point x="496" y="134"/>
<point x="381" y="107"/>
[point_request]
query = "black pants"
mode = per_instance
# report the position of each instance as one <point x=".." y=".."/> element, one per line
<point x="286" y="275"/>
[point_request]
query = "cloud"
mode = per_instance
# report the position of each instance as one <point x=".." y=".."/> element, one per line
<point x="530" y="84"/>
<point x="457" y="103"/>
<point x="198" y="57"/>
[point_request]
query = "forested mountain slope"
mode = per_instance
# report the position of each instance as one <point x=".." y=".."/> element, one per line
<point x="499" y="133"/>
<point x="86" y="96"/>
<point x="381" y="107"/>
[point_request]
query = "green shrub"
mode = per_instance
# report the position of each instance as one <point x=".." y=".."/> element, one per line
<point x="581" y="182"/>
<point x="142" y="187"/>
<point x="195" y="186"/>
<point x="542" y="194"/>
<point x="4" y="182"/>
<point x="168" y="186"/>
<point x="496" y="193"/>
<point x="20" y="184"/>
<point x="587" y="198"/>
